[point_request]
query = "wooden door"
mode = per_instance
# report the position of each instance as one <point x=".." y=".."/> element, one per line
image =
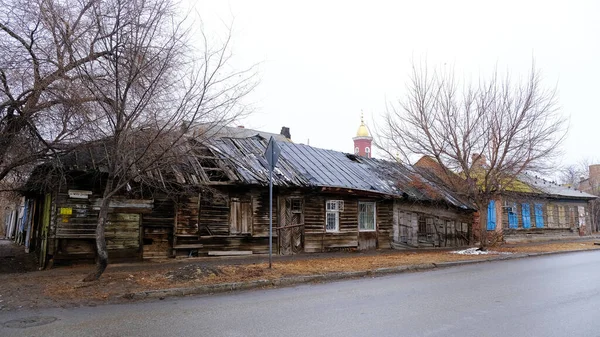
<point x="45" y="228"/>
<point x="291" y="227"/>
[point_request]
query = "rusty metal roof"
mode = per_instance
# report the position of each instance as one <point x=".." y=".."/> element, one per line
<point x="306" y="166"/>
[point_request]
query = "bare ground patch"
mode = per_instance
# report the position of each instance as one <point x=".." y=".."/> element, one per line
<point x="63" y="286"/>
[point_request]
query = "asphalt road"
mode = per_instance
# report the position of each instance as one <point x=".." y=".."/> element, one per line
<point x="556" y="295"/>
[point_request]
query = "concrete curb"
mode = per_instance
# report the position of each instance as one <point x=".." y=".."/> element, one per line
<point x="295" y="280"/>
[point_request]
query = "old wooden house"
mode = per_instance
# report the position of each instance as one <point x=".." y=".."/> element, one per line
<point x="530" y="208"/>
<point x="538" y="208"/>
<point x="324" y="200"/>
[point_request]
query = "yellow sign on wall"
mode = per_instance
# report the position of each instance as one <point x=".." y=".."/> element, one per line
<point x="66" y="211"/>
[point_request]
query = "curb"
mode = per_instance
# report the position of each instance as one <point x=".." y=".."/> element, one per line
<point x="295" y="280"/>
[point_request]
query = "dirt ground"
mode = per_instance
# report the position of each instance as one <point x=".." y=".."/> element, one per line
<point x="62" y="286"/>
<point x="13" y="259"/>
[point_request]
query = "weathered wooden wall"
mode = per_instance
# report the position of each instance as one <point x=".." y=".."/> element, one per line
<point x="223" y="221"/>
<point x="317" y="239"/>
<point x="421" y="225"/>
<point x="551" y="213"/>
<point x="158" y="229"/>
<point x="74" y="224"/>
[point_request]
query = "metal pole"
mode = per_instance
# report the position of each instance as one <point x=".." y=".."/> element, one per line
<point x="270" y="215"/>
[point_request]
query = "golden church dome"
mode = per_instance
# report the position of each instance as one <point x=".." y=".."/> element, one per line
<point x="362" y="129"/>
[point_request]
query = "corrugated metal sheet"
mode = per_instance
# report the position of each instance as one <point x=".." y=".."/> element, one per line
<point x="306" y="166"/>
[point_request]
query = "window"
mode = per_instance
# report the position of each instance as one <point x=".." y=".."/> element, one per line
<point x="368" y="152"/>
<point x="526" y="213"/>
<point x="581" y="213"/>
<point x="356" y="150"/>
<point x="422" y="225"/>
<point x="550" y="213"/>
<point x="539" y="216"/>
<point x="296" y="205"/>
<point x="366" y="216"/>
<point x="332" y="215"/>
<point x="513" y="221"/>
<point x="491" y="216"/>
<point x="562" y="219"/>
<point x="240" y="216"/>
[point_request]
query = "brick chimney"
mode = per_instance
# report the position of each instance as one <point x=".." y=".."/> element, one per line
<point x="285" y="131"/>
<point x="478" y="159"/>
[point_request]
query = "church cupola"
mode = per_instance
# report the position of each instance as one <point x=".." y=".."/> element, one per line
<point x="362" y="141"/>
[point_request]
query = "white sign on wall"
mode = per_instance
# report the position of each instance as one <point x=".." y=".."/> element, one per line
<point x="79" y="194"/>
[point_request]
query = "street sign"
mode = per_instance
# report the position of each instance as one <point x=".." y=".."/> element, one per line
<point x="272" y="153"/>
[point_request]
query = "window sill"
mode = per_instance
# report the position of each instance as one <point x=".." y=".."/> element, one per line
<point x="367" y="230"/>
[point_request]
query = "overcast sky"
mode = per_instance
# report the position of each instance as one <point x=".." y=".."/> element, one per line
<point x="322" y="62"/>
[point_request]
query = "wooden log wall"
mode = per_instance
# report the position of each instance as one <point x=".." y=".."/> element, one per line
<point x="260" y="221"/>
<point x="214" y="214"/>
<point x="348" y="236"/>
<point x="215" y="224"/>
<point x="385" y="226"/>
<point x="74" y="223"/>
<point x="187" y="216"/>
<point x="158" y="229"/>
<point x="421" y="225"/>
<point x="556" y="214"/>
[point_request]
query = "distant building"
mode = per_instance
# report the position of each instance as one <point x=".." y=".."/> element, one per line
<point x="362" y="141"/>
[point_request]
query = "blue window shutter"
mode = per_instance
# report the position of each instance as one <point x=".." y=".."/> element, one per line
<point x="513" y="222"/>
<point x="526" y="212"/>
<point x="491" y="218"/>
<point x="539" y="216"/>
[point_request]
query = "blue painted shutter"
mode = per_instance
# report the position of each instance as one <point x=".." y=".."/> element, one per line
<point x="526" y="212"/>
<point x="513" y="222"/>
<point x="491" y="216"/>
<point x="539" y="216"/>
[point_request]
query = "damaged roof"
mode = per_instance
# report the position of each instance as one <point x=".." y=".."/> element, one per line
<point x="301" y="165"/>
<point x="551" y="189"/>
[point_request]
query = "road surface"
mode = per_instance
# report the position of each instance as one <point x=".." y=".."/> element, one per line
<point x="556" y="295"/>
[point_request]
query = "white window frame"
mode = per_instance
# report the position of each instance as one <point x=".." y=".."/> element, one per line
<point x="356" y="150"/>
<point x="361" y="226"/>
<point x="333" y="208"/>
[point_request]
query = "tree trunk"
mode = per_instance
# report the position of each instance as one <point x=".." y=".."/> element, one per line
<point x="101" y="251"/>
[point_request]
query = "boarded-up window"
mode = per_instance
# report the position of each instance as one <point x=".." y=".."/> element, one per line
<point x="491" y="216"/>
<point x="562" y="217"/>
<point x="240" y="216"/>
<point x="550" y="214"/>
<point x="366" y="216"/>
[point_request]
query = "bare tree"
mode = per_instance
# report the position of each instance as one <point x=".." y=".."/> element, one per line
<point x="483" y="135"/>
<point x="573" y="174"/>
<point x="152" y="91"/>
<point x="43" y="43"/>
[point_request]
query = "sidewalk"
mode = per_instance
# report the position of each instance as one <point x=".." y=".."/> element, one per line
<point x="133" y="281"/>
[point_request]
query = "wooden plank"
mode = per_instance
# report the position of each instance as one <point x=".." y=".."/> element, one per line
<point x="229" y="252"/>
<point x="189" y="246"/>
